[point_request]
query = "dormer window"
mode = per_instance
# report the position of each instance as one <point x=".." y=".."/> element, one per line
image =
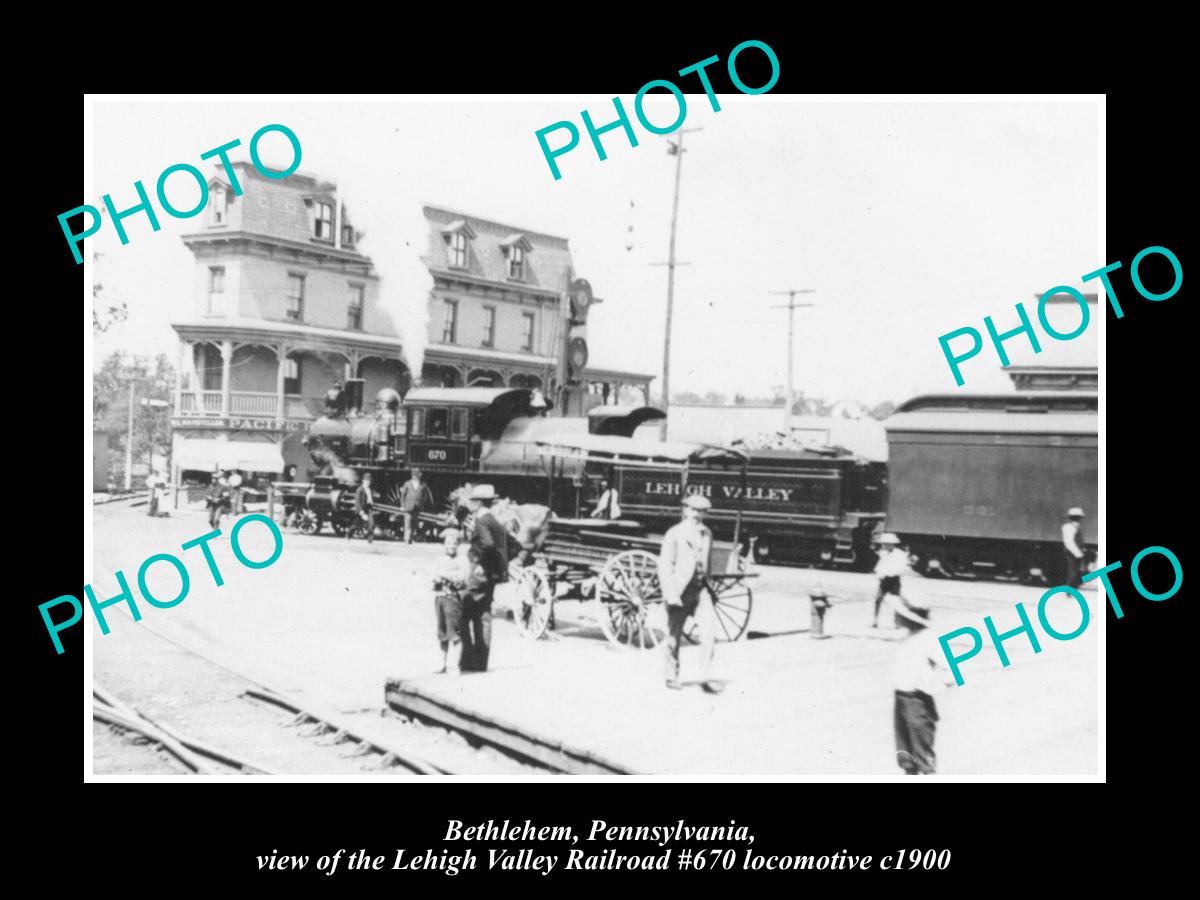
<point x="457" y="235"/>
<point x="516" y="263"/>
<point x="458" y="250"/>
<point x="219" y="203"/>
<point x="323" y="221"/>
<point x="515" y="247"/>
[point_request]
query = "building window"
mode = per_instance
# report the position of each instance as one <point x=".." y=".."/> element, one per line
<point x="347" y="233"/>
<point x="450" y="322"/>
<point x="220" y="205"/>
<point x="458" y="250"/>
<point x="323" y="221"/>
<point x="216" y="290"/>
<point x="291" y="376"/>
<point x="527" y="332"/>
<point x="489" y="326"/>
<point x="295" y="297"/>
<point x="354" y="309"/>
<point x="516" y="262"/>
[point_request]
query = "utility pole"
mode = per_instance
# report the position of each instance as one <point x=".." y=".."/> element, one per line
<point x="129" y="441"/>
<point x="791" y="308"/>
<point x="675" y="148"/>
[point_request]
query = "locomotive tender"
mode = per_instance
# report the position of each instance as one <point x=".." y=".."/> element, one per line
<point x="817" y="506"/>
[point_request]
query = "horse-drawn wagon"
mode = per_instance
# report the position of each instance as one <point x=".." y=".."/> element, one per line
<point x="614" y="563"/>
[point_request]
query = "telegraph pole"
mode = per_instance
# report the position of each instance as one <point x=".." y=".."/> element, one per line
<point x="791" y="307"/>
<point x="675" y="148"/>
<point x="129" y="441"/>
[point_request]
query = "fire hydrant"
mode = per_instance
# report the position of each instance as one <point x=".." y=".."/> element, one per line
<point x="819" y="604"/>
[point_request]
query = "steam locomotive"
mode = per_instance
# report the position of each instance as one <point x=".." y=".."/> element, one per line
<point x="817" y="506"/>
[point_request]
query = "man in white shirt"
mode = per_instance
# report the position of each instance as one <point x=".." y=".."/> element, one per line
<point x="1072" y="532"/>
<point x="235" y="487"/>
<point x="608" y="506"/>
<point x="892" y="563"/>
<point x="919" y="673"/>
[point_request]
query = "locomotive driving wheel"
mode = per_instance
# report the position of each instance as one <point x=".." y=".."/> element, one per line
<point x="629" y="601"/>
<point x="533" y="604"/>
<point x="731" y="602"/>
<point x="309" y="522"/>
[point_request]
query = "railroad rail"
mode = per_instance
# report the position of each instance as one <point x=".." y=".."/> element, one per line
<point x="321" y="722"/>
<point x="202" y="759"/>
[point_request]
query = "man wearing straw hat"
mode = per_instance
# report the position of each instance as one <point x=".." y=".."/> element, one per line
<point x="683" y="564"/>
<point x="919" y="673"/>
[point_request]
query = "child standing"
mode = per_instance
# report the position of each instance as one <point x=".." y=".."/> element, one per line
<point x="450" y="578"/>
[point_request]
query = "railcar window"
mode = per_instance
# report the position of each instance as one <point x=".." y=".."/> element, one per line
<point x="418" y="421"/>
<point x="438" y="424"/>
<point x="458" y="423"/>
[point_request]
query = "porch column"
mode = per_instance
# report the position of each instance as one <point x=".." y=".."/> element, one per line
<point x="226" y="359"/>
<point x="281" y="352"/>
<point x="183" y="345"/>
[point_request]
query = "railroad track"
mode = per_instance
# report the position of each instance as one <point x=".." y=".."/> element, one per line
<point x="205" y="759"/>
<point x="196" y="756"/>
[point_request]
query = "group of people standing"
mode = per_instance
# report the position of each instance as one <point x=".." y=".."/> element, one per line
<point x="464" y="584"/>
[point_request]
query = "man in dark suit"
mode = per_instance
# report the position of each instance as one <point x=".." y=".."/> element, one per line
<point x="489" y="566"/>
<point x="364" y="507"/>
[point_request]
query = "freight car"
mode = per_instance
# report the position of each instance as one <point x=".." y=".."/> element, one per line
<point x="979" y="485"/>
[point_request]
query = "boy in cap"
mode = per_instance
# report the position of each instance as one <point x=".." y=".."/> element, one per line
<point x="892" y="563"/>
<point x="918" y="674"/>
<point x="450" y="577"/>
<point x="683" y="564"/>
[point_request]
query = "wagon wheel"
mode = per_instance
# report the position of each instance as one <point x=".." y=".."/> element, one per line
<point x="339" y="524"/>
<point x="310" y="522"/>
<point x="534" y="602"/>
<point x="731" y="602"/>
<point x="356" y="527"/>
<point x="630" y="602"/>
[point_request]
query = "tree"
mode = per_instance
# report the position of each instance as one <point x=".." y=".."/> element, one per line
<point x="152" y="380"/>
<point x="107" y="311"/>
<point x="686" y="397"/>
<point x="883" y="410"/>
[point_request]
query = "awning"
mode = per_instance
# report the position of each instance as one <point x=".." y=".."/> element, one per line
<point x="206" y="455"/>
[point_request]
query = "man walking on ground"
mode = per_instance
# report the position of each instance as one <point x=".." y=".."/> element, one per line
<point x="489" y="566"/>
<point x="893" y="562"/>
<point x="1072" y="532"/>
<point x="415" y="496"/>
<point x="683" y="564"/>
<point x="919" y="673"/>
<point x="364" y="507"/>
